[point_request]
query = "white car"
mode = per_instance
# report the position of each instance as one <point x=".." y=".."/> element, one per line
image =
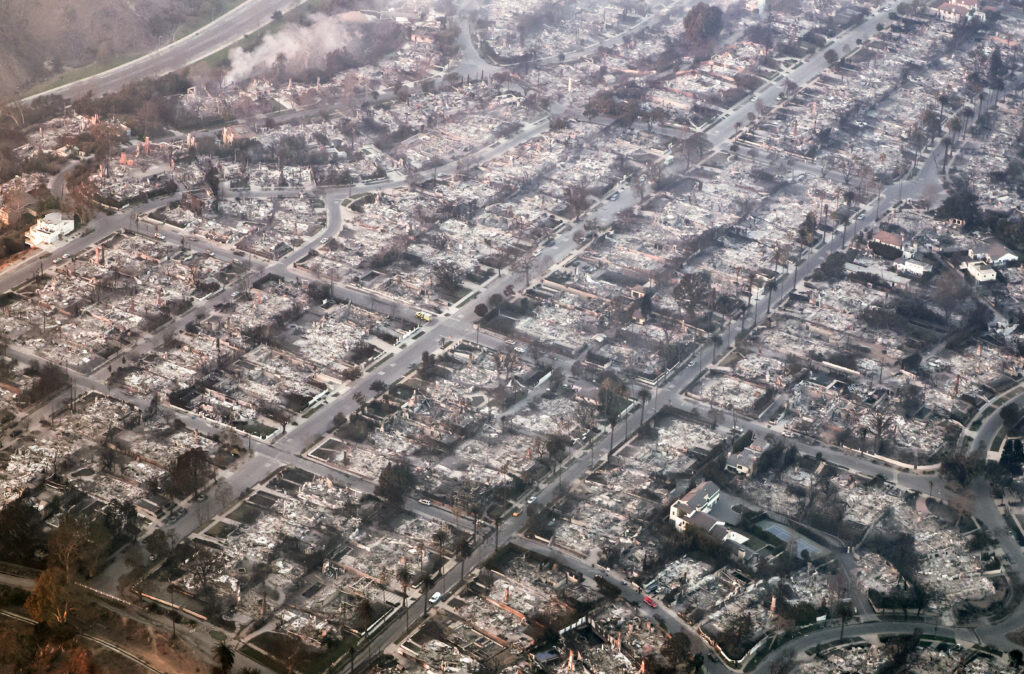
<point x="425" y="502"/>
<point x="531" y="499"/>
<point x="436" y="597"/>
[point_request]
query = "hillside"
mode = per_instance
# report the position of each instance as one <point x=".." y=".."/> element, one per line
<point x="41" y="38"/>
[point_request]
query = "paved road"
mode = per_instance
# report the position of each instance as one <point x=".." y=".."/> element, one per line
<point x="797" y="646"/>
<point x="97" y="640"/>
<point x="220" y="33"/>
<point x="630" y="593"/>
<point x="14" y="275"/>
<point x="458" y="322"/>
<point x="981" y="443"/>
<point x="20" y="582"/>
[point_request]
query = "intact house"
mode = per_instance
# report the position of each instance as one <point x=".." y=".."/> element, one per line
<point x="915" y="266"/>
<point x="49" y="229"/>
<point x="994" y="253"/>
<point x="700" y="499"/>
<point x="693" y="510"/>
<point x="960" y="11"/>
<point x="980" y="271"/>
<point x="887" y="244"/>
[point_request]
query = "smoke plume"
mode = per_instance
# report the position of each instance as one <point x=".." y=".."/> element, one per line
<point x="302" y="48"/>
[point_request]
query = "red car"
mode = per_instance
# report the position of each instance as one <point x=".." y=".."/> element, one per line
<point x="650" y="602"/>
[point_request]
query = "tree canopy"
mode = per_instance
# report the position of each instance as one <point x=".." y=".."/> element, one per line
<point x="703" y="22"/>
<point x="396" y="481"/>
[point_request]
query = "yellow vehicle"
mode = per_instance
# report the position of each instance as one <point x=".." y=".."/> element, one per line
<point x="423" y="316"/>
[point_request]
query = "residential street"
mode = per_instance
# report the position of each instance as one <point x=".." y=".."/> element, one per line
<point x="457" y="321"/>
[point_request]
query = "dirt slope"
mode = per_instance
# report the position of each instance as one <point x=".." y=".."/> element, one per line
<point x="40" y="37"/>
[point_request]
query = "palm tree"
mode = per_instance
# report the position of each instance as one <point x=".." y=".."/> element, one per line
<point x="947" y="143"/>
<point x="779" y="257"/>
<point x="364" y="612"/>
<point x="463" y="549"/>
<point x="613" y="418"/>
<point x="771" y="285"/>
<point x="843" y="220"/>
<point x="716" y="341"/>
<point x="385" y="578"/>
<point x="225" y="658"/>
<point x="845" y="611"/>
<point x="954" y="125"/>
<point x="476" y="510"/>
<point x="404" y="578"/>
<point x="644" y="395"/>
<point x="441" y="537"/>
<point x="456" y="509"/>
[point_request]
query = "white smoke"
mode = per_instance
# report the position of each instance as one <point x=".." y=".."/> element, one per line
<point x="302" y="47"/>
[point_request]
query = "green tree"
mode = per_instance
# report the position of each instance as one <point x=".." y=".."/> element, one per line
<point x="189" y="472"/>
<point x="396" y="481"/>
<point x="225" y="658"/>
<point x="441" y="538"/>
<point x="22" y="528"/>
<point x="703" y="23"/>
<point x="1010" y="414"/>
<point x="833" y="268"/>
<point x="949" y="291"/>
<point x="996" y="69"/>
<point x="158" y="544"/>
